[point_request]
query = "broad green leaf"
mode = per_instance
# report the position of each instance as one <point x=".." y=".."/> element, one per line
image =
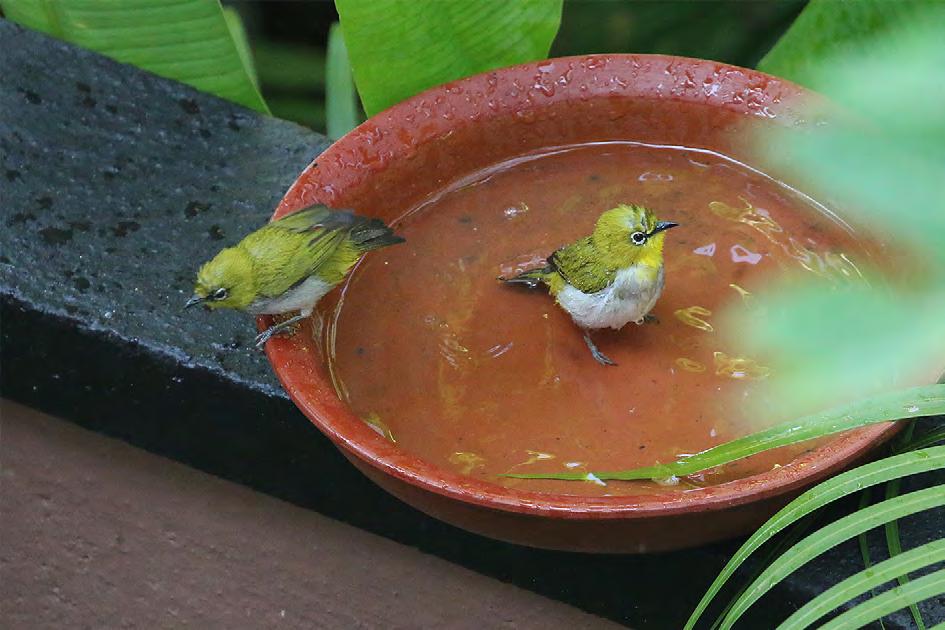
<point x="861" y="582"/>
<point x="911" y="403"/>
<point x="832" y="535"/>
<point x="238" y="32"/>
<point x="827" y="28"/>
<point x="820" y="495"/>
<point x="399" y="48"/>
<point x="185" y="40"/>
<point x="341" y="109"/>
<point x="892" y="600"/>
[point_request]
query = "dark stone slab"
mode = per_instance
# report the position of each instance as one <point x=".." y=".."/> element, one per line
<point x="114" y="186"/>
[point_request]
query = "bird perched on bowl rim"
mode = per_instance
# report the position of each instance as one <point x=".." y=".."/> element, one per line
<point x="609" y="278"/>
<point x="289" y="264"/>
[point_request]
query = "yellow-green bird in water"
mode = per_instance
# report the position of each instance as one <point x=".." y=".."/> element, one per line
<point x="289" y="264"/>
<point x="610" y="278"/>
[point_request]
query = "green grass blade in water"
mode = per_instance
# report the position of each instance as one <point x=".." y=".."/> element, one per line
<point x="832" y="535"/>
<point x="185" y="40"/>
<point x="820" y="495"/>
<point x="399" y="48"/>
<point x="931" y="585"/>
<point x="341" y="110"/>
<point x="864" y="581"/>
<point x="910" y="403"/>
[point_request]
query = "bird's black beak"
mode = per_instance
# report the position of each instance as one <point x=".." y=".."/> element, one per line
<point x="662" y="226"/>
<point x="194" y="301"/>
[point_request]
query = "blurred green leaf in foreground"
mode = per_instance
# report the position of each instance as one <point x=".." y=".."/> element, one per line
<point x="884" y="166"/>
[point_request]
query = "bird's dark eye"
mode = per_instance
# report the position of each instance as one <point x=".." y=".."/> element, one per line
<point x="220" y="294"/>
<point x="638" y="238"/>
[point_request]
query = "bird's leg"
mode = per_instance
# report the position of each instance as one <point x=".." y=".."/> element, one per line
<point x="649" y="318"/>
<point x="277" y="329"/>
<point x="599" y="356"/>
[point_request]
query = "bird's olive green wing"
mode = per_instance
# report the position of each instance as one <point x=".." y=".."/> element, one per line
<point x="290" y="249"/>
<point x="303" y="220"/>
<point x="324" y="231"/>
<point x="581" y="267"/>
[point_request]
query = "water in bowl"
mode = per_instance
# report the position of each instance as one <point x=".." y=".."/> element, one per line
<point x="484" y="378"/>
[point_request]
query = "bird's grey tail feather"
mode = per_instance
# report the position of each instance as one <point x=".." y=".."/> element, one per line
<point x="532" y="278"/>
<point x="374" y="234"/>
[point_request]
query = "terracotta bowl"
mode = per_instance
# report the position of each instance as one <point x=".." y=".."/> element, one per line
<point x="395" y="159"/>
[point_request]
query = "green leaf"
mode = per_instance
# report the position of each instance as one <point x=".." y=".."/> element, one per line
<point x="832" y="535"/>
<point x="399" y="48"/>
<point x="883" y="163"/>
<point x="892" y="600"/>
<point x="911" y="403"/>
<point x="820" y="495"/>
<point x="864" y="544"/>
<point x="796" y="531"/>
<point x="894" y="546"/>
<point x="861" y="582"/>
<point x="822" y="359"/>
<point x="929" y="439"/>
<point x="826" y="28"/>
<point x="341" y="109"/>
<point x="186" y="40"/>
<point x="890" y="178"/>
<point x="234" y="24"/>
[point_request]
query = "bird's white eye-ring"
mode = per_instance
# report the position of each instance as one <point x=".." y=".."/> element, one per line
<point x="220" y="294"/>
<point x="638" y="238"/>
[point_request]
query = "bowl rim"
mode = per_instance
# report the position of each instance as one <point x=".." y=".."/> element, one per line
<point x="318" y="401"/>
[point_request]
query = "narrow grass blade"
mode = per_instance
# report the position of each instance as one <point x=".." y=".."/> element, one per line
<point x="861" y="582"/>
<point x="832" y="535"/>
<point x="820" y="495"/>
<point x="910" y="403"/>
<point x="794" y="534"/>
<point x="341" y="110"/>
<point x="864" y="543"/>
<point x="929" y="439"/>
<point x="894" y="546"/>
<point x="892" y="600"/>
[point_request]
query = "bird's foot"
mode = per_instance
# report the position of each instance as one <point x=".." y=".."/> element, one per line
<point x="599" y="356"/>
<point x="286" y="327"/>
